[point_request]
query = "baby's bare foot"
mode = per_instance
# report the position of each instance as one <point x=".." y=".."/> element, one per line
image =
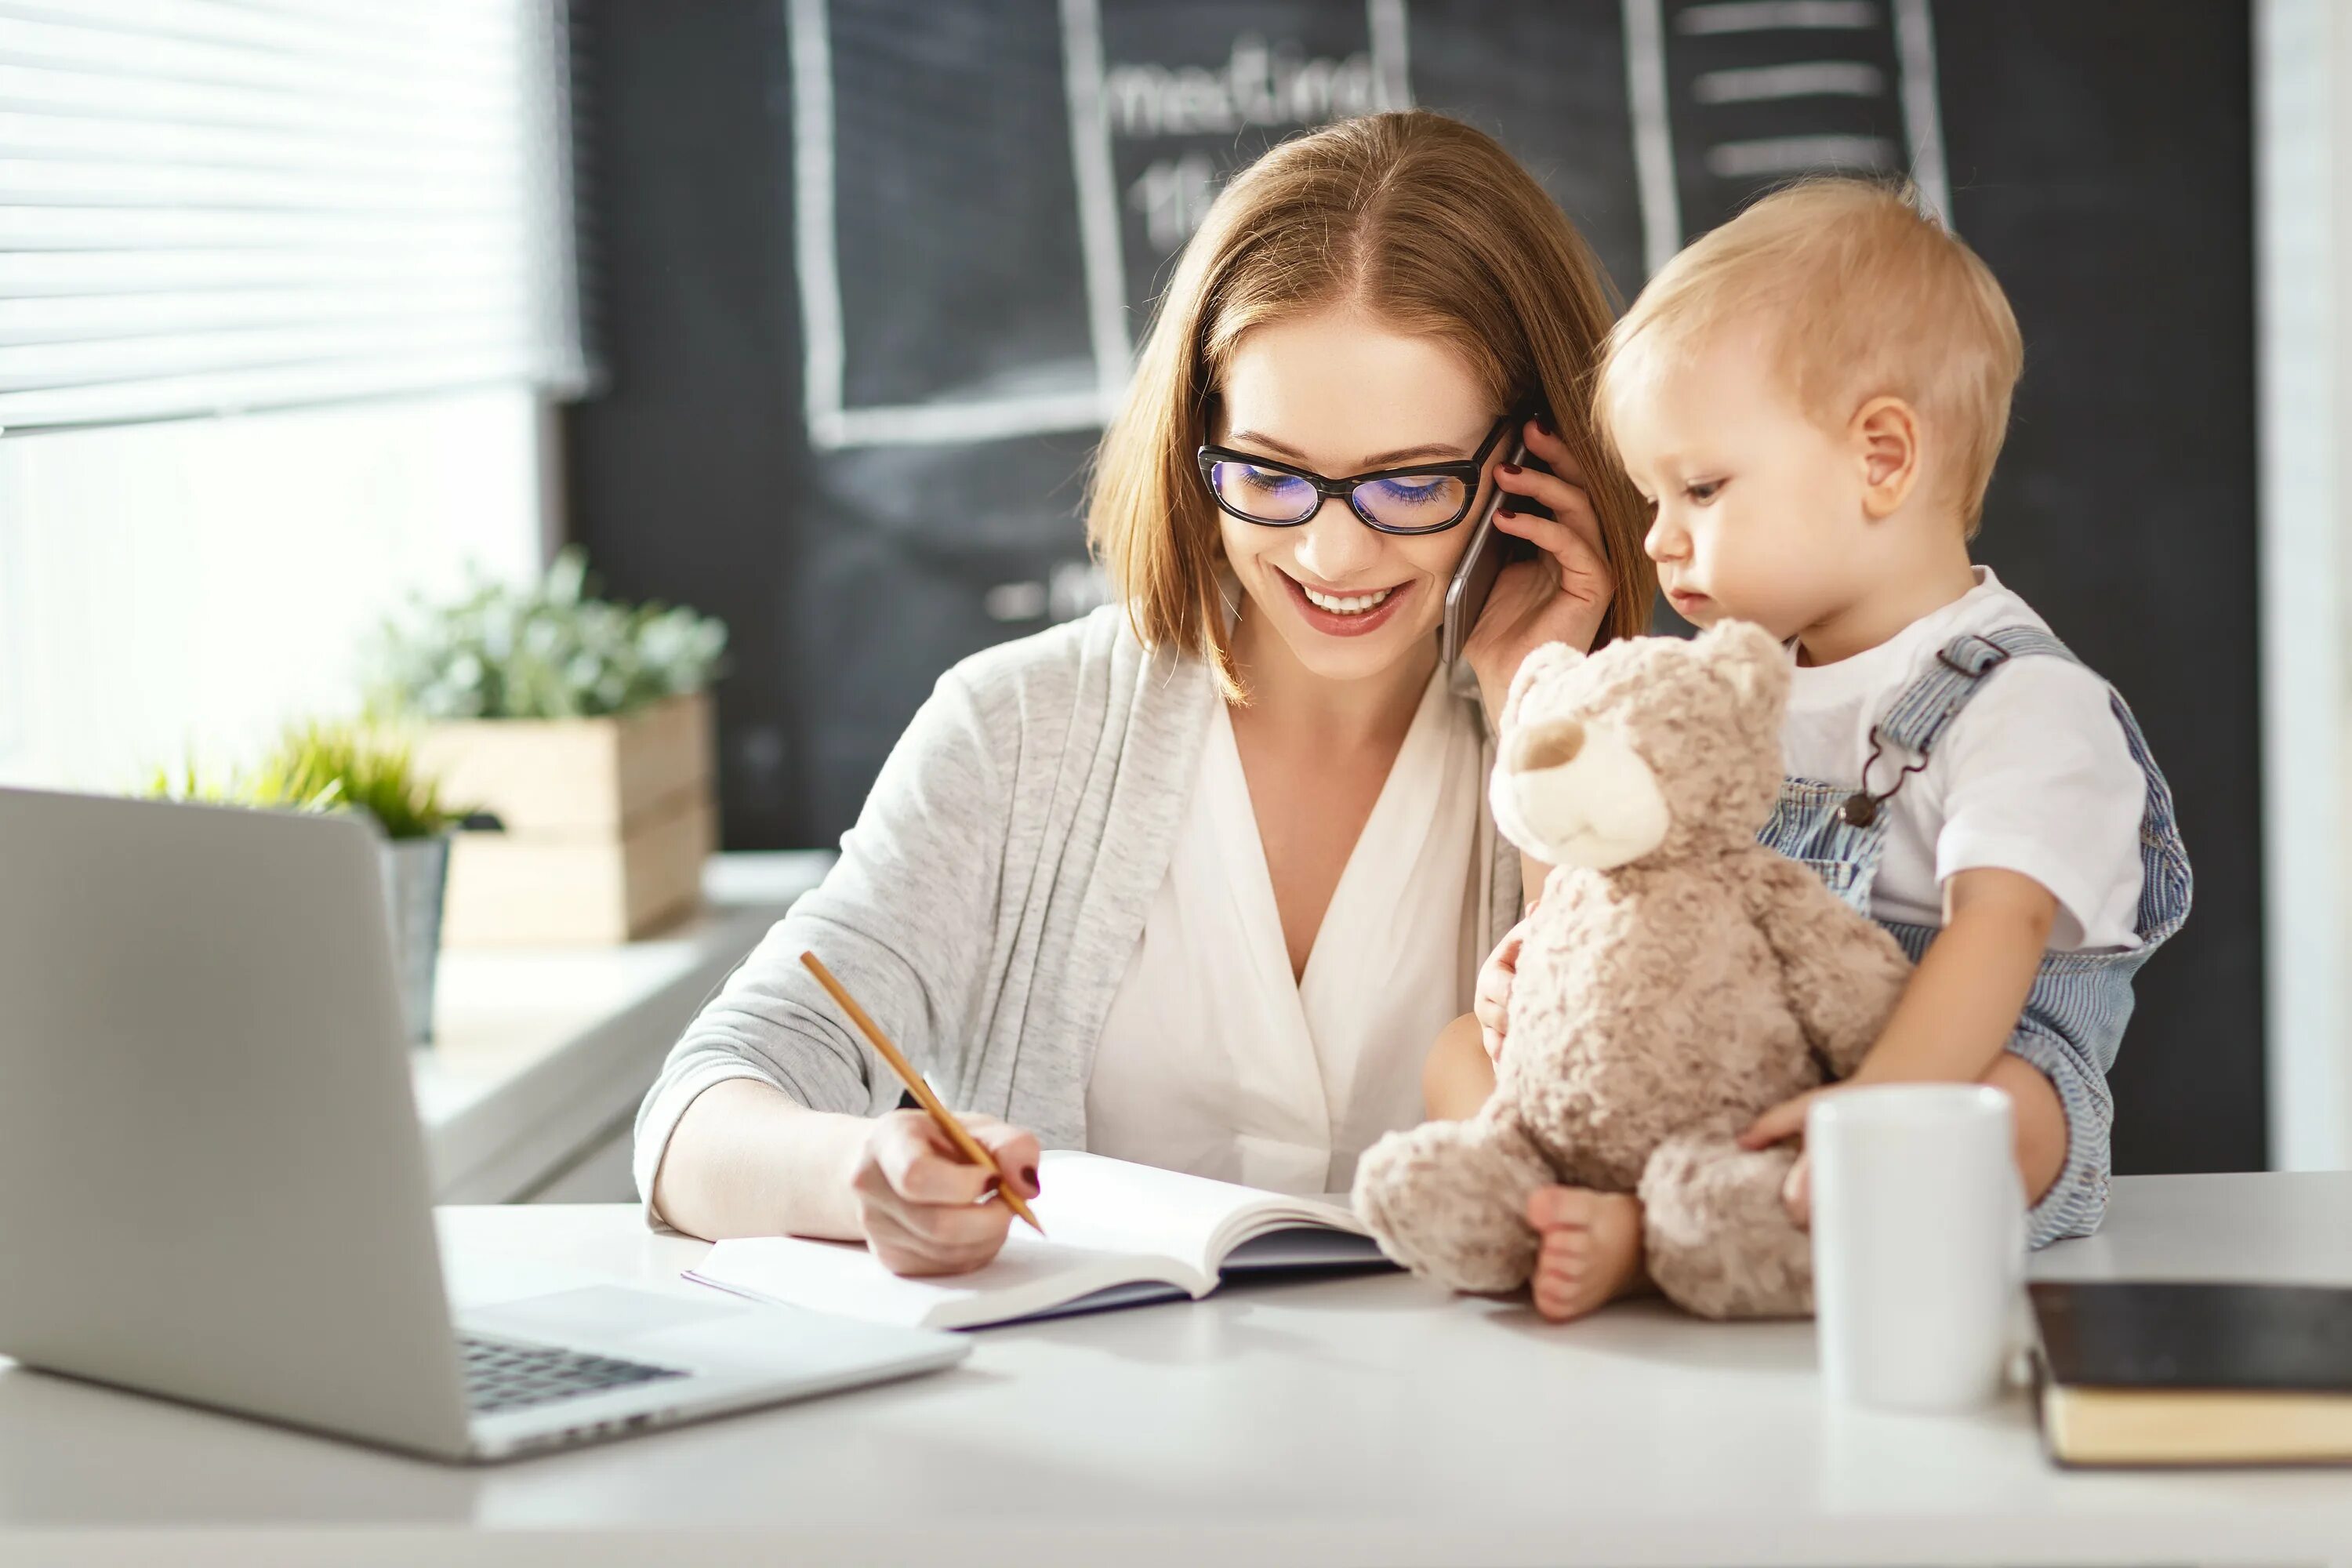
<point x="1591" y="1251"/>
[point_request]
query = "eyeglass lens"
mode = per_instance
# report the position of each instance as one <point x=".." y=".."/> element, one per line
<point x="1398" y="501"/>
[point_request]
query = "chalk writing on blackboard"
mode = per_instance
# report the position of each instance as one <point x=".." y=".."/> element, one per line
<point x="983" y="286"/>
<point x="1149" y="136"/>
<point x="1260" y="84"/>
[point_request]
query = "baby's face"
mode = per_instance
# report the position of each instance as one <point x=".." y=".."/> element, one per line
<point x="1759" y="511"/>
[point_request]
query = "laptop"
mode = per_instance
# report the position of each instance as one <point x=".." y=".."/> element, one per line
<point x="213" y="1183"/>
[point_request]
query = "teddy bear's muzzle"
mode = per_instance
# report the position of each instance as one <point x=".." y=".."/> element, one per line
<point x="1550" y="744"/>
<point x="1574" y="794"/>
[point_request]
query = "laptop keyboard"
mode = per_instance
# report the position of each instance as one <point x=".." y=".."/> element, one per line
<point x="503" y="1375"/>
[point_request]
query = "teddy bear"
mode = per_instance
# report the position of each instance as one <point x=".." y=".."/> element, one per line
<point x="1676" y="980"/>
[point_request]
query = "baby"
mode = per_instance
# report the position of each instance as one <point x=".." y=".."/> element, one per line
<point x="1813" y="398"/>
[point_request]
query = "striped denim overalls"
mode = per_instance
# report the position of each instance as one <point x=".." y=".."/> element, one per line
<point x="2075" y="1016"/>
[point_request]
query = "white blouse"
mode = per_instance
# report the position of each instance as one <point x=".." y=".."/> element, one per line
<point x="1212" y="1059"/>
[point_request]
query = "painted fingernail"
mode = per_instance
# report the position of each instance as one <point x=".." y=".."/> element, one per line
<point x="1543" y="423"/>
<point x="1029" y="1175"/>
<point x="1512" y="469"/>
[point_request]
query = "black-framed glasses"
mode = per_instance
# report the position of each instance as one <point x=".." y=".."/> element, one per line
<point x="1423" y="498"/>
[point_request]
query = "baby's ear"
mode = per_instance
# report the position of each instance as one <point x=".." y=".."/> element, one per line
<point x="1751" y="660"/>
<point x="1549" y="659"/>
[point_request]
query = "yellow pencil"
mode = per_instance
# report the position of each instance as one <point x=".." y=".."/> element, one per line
<point x="973" y="1149"/>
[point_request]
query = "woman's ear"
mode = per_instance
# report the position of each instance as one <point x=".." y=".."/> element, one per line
<point x="1885" y="436"/>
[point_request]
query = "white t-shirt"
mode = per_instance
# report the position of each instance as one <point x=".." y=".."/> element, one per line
<point x="1212" y="1059"/>
<point x="2034" y="776"/>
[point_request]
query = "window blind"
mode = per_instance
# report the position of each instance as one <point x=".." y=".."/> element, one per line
<point x="211" y="205"/>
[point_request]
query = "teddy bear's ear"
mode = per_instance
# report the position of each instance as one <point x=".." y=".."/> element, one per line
<point x="1750" y="659"/>
<point x="1547" y="659"/>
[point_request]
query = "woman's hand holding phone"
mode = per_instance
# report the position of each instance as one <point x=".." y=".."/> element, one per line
<point x="1563" y="594"/>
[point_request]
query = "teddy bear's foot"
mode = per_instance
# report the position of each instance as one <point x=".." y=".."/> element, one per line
<point x="1448" y="1199"/>
<point x="1720" y="1240"/>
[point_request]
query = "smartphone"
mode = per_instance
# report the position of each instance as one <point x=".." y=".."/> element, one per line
<point x="1482" y="559"/>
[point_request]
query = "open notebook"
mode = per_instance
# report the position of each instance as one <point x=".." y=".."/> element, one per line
<point x="1116" y="1234"/>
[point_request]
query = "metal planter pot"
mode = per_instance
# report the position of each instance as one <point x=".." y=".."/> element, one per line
<point x="415" y="872"/>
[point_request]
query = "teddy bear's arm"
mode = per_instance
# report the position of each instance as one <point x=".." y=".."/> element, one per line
<point x="1841" y="970"/>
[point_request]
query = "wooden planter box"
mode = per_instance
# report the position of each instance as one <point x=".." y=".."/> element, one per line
<point x="608" y="822"/>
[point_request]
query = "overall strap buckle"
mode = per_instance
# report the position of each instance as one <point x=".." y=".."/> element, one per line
<point x="1920" y="716"/>
<point x="1971" y="656"/>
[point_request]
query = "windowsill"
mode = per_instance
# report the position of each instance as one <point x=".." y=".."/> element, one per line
<point x="540" y="1053"/>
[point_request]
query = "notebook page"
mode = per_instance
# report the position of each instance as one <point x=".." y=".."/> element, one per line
<point x="1113" y="1205"/>
<point x="1296" y="1247"/>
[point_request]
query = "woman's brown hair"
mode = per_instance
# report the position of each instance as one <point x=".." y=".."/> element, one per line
<point x="1430" y="227"/>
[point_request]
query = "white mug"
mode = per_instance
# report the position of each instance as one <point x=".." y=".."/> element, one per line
<point x="1919" y="1242"/>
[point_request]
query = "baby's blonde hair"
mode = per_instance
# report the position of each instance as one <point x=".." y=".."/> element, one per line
<point x="1861" y="295"/>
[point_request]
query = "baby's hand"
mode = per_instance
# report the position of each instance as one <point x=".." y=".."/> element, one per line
<point x="1797" y="1192"/>
<point x="1783" y="1121"/>
<point x="1492" y="1001"/>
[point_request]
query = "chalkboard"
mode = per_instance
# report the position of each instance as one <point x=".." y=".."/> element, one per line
<point x="870" y="272"/>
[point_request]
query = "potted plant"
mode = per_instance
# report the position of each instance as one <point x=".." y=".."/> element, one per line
<point x="585" y="726"/>
<point x="325" y="766"/>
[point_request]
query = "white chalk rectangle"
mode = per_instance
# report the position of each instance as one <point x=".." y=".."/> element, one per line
<point x="1796" y="154"/>
<point x="1812" y="79"/>
<point x="1771" y="15"/>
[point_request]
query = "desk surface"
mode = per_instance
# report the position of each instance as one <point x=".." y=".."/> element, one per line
<point x="1371" y="1420"/>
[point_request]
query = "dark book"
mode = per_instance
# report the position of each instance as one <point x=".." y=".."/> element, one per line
<point x="2162" y="1373"/>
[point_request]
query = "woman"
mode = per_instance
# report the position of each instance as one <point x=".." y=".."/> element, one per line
<point x="1198" y="880"/>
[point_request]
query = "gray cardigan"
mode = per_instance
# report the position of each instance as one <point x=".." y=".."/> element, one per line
<point x="986" y="904"/>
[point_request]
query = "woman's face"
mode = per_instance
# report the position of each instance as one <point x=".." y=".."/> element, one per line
<point x="1338" y="393"/>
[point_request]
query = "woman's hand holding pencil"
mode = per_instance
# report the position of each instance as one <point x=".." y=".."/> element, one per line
<point x="919" y="1180"/>
<point x="918" y="1200"/>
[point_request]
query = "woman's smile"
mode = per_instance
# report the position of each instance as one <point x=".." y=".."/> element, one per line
<point x="1345" y="614"/>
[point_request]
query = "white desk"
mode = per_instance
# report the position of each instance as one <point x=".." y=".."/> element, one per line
<point x="1370" y="1421"/>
